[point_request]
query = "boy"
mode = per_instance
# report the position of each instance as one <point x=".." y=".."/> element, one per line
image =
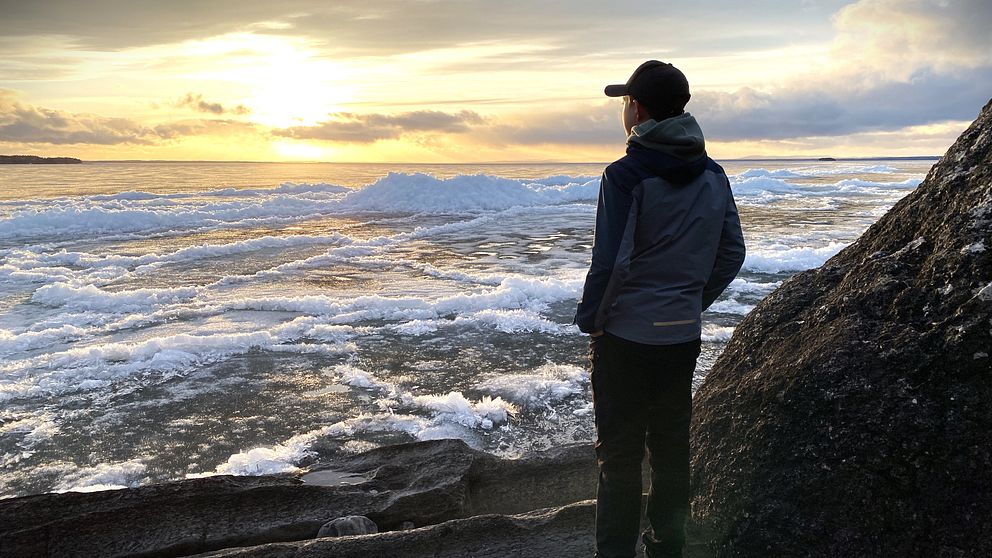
<point x="668" y="241"/>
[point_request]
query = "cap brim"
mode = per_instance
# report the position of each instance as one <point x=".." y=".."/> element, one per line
<point x="616" y="90"/>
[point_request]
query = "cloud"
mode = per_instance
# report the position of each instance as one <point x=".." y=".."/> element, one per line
<point x="21" y="123"/>
<point x="891" y="40"/>
<point x="396" y="26"/>
<point x="368" y="128"/>
<point x="786" y="113"/>
<point x="877" y="66"/>
<point x="204" y="127"/>
<point x="29" y="124"/>
<point x="197" y="103"/>
<point x="893" y="64"/>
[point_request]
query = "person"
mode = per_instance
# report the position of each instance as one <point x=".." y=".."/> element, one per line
<point x="667" y="242"/>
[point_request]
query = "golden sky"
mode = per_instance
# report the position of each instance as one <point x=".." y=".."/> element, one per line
<point x="471" y="81"/>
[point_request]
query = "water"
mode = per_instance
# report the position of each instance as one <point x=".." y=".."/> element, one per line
<point x="164" y="320"/>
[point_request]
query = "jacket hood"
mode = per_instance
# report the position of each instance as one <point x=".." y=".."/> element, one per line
<point x="679" y="136"/>
<point x="673" y="148"/>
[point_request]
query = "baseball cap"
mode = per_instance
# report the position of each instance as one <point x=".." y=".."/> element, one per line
<point x="656" y="85"/>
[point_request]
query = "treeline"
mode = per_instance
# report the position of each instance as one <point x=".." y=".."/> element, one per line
<point x="35" y="160"/>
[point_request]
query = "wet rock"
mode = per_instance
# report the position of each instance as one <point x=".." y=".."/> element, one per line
<point x="558" y="532"/>
<point x="849" y="414"/>
<point x="565" y="531"/>
<point x="424" y="483"/>
<point x="350" y="525"/>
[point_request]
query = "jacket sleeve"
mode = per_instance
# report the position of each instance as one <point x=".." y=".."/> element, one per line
<point x="611" y="221"/>
<point x="729" y="257"/>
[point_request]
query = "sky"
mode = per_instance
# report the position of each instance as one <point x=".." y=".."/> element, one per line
<point x="466" y="81"/>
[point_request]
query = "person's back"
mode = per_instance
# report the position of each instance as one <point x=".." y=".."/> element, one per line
<point x="667" y="243"/>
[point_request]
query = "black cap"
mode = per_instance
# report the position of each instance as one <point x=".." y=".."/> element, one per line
<point x="657" y="85"/>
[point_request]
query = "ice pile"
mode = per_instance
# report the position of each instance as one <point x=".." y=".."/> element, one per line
<point x="133" y="212"/>
<point x="427" y="194"/>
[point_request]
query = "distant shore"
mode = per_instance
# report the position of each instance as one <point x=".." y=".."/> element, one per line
<point x="35" y="160"/>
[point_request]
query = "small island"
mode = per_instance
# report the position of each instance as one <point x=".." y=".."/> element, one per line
<point x="35" y="160"/>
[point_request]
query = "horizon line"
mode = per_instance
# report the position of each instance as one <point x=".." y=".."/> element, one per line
<point x="310" y="162"/>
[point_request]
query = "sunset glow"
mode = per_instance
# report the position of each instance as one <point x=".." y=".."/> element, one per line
<point x="470" y="82"/>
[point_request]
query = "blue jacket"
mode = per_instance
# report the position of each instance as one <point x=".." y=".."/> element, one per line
<point x="668" y="241"/>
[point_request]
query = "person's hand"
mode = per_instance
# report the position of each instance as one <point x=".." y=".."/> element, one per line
<point x="596" y="333"/>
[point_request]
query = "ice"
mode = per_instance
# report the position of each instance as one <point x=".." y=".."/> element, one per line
<point x="106" y="476"/>
<point x="745" y="286"/>
<point x="809" y="171"/>
<point x="513" y="293"/>
<point x="417" y="327"/>
<point x="511" y="321"/>
<point x="425" y="193"/>
<point x="320" y="188"/>
<point x="98" y="365"/>
<point x="544" y="387"/>
<point x="380" y="422"/>
<point x="36" y="429"/>
<point x="758" y="187"/>
<point x="90" y="297"/>
<point x="776" y="173"/>
<point x="269" y="460"/>
<point x="448" y="407"/>
<point x="356" y="377"/>
<point x="398" y="296"/>
<point x="11" y="342"/>
<point x="454" y="407"/>
<point x="146" y="262"/>
<point x="716" y="334"/>
<point x="131" y="212"/>
<point x="730" y="306"/>
<point x="776" y="258"/>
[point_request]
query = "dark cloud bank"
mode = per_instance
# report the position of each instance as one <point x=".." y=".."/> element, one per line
<point x="929" y="98"/>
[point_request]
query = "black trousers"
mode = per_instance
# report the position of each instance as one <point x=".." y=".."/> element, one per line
<point x="642" y="395"/>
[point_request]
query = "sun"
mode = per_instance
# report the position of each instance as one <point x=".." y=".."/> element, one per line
<point x="288" y="82"/>
<point x="287" y="149"/>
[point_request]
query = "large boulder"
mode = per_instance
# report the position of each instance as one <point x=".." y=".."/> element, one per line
<point x="850" y="413"/>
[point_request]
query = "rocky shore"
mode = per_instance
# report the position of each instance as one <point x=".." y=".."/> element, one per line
<point x="849" y="416"/>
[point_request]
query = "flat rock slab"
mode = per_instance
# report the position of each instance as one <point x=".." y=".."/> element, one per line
<point x="422" y="483"/>
<point x="562" y="532"/>
<point x="565" y="531"/>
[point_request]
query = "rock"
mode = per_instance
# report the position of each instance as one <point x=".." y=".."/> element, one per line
<point x="172" y="519"/>
<point x="558" y="532"/>
<point x="350" y="525"/>
<point x="849" y="414"/>
<point x="564" y="532"/>
<point x="424" y="483"/>
<point x="407" y="525"/>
